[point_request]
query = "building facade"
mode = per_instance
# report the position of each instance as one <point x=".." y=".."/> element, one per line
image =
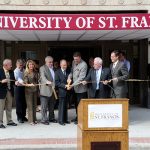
<point x="62" y="43"/>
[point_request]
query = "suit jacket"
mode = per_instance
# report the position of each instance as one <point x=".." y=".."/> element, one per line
<point x="104" y="90"/>
<point x="3" y="86"/>
<point x="121" y="73"/>
<point x="60" y="82"/>
<point x="78" y="73"/>
<point x="45" y="75"/>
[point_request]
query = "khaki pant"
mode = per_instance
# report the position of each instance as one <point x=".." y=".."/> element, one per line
<point x="7" y="105"/>
<point x="31" y="100"/>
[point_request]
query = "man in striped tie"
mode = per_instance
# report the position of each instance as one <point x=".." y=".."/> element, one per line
<point x="7" y="81"/>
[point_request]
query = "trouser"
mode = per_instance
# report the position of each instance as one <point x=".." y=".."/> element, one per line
<point x="47" y="103"/>
<point x="20" y="102"/>
<point x="7" y="105"/>
<point x="31" y="100"/>
<point x="62" y="110"/>
<point x="118" y="94"/>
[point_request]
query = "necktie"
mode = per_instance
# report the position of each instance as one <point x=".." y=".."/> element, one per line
<point x="52" y="73"/>
<point x="113" y="67"/>
<point x="8" y="77"/>
<point x="64" y="72"/>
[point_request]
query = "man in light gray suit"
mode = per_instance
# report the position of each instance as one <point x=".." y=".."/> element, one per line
<point x="78" y="73"/>
<point x="119" y="74"/>
<point x="46" y="93"/>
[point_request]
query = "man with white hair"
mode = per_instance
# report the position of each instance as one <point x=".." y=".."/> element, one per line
<point x="47" y="76"/>
<point x="7" y="81"/>
<point x="97" y="77"/>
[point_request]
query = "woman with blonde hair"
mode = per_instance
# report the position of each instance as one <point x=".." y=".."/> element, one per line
<point x="31" y="90"/>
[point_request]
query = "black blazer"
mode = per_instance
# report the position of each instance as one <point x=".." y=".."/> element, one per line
<point x="104" y="90"/>
<point x="3" y="86"/>
<point x="61" y="81"/>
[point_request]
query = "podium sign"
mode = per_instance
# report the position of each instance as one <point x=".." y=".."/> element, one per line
<point x="103" y="124"/>
<point x="104" y="115"/>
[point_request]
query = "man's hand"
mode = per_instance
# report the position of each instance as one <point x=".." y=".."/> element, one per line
<point x="69" y="81"/>
<point x="66" y="86"/>
<point x="106" y="82"/>
<point x="115" y="79"/>
<point x="49" y="82"/>
<point x="29" y="85"/>
<point x="69" y="87"/>
<point x="84" y="82"/>
<point x="4" y="80"/>
<point x="17" y="83"/>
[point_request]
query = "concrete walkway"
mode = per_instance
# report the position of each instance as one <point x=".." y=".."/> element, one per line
<point x="57" y="137"/>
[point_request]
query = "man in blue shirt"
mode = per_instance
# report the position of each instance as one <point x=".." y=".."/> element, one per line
<point x="122" y="58"/>
<point x="20" y="92"/>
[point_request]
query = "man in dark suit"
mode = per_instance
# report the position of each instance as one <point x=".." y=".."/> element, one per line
<point x="6" y="92"/>
<point x="97" y="76"/>
<point x="119" y="74"/>
<point x="20" y="92"/>
<point x="61" y="76"/>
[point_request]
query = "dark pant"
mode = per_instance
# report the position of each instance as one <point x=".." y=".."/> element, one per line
<point x="79" y="97"/>
<point x="97" y="95"/>
<point x="62" y="108"/>
<point x="47" y="103"/>
<point x="20" y="102"/>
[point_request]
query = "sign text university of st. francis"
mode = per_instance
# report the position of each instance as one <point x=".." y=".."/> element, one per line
<point x="74" y="21"/>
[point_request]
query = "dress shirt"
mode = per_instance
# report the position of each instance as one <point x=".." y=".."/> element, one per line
<point x="114" y="64"/>
<point x="98" y="75"/>
<point x="64" y="72"/>
<point x="18" y="75"/>
<point x="127" y="63"/>
<point x="52" y="73"/>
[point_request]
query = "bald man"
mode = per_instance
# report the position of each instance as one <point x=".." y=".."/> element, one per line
<point x="61" y="76"/>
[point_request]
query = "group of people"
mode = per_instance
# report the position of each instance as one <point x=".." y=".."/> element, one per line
<point x="25" y="84"/>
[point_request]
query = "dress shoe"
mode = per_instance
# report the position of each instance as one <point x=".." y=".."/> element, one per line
<point x="62" y="123"/>
<point x="53" y="120"/>
<point x="73" y="120"/>
<point x="2" y="126"/>
<point x="76" y="122"/>
<point x="67" y="122"/>
<point x="45" y="122"/>
<point x="20" y="121"/>
<point x="25" y="119"/>
<point x="11" y="124"/>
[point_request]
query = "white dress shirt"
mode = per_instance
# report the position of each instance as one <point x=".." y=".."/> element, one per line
<point x="114" y="64"/>
<point x="98" y="75"/>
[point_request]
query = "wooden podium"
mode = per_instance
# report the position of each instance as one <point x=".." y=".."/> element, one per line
<point x="103" y="124"/>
